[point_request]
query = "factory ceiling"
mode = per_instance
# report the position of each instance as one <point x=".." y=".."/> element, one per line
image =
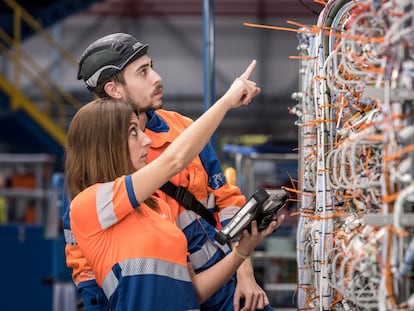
<point x="260" y="8"/>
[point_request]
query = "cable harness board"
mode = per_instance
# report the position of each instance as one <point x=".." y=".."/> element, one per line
<point x="355" y="245"/>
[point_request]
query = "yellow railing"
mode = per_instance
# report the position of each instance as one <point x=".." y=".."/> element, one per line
<point x="50" y="112"/>
<point x="36" y="114"/>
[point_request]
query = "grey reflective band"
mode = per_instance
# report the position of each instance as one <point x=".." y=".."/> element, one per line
<point x="185" y="219"/>
<point x="69" y="239"/>
<point x="104" y="205"/>
<point x="144" y="266"/>
<point x="200" y="257"/>
<point x="110" y="284"/>
<point x="93" y="80"/>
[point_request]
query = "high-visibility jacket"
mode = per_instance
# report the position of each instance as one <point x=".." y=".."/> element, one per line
<point x="203" y="177"/>
<point x="139" y="258"/>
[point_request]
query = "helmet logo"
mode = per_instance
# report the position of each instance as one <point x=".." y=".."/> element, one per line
<point x="136" y="45"/>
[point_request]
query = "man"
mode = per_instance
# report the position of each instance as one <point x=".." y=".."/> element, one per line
<point x="118" y="66"/>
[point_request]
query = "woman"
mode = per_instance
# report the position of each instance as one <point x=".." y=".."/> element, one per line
<point x="138" y="254"/>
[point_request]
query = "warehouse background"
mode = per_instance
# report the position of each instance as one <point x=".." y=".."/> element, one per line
<point x="174" y="31"/>
<point x="40" y="42"/>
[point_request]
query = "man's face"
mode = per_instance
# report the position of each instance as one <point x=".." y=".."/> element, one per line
<point x="143" y="84"/>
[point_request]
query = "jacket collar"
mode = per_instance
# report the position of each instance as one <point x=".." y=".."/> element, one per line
<point x="155" y="123"/>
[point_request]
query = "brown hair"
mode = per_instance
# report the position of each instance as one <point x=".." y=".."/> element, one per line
<point x="99" y="90"/>
<point x="97" y="144"/>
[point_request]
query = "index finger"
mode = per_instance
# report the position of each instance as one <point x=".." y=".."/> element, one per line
<point x="246" y="74"/>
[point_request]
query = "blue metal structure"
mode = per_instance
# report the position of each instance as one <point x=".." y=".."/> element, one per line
<point x="209" y="56"/>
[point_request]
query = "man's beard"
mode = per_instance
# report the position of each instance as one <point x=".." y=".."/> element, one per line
<point x="157" y="90"/>
<point x="148" y="107"/>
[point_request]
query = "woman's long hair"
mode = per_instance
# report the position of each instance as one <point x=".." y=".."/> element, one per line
<point x="97" y="145"/>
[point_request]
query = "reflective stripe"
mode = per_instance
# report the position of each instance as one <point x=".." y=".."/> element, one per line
<point x="145" y="266"/>
<point x="202" y="256"/>
<point x="199" y="258"/>
<point x="227" y="213"/>
<point x="138" y="266"/>
<point x="110" y="284"/>
<point x="104" y="205"/>
<point x="225" y="248"/>
<point x="185" y="219"/>
<point x="69" y="238"/>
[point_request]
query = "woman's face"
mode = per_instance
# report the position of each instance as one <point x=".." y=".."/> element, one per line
<point x="138" y="143"/>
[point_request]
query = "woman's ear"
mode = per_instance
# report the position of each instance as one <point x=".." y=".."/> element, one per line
<point x="111" y="88"/>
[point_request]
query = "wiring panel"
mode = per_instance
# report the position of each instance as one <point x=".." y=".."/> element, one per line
<point x="355" y="245"/>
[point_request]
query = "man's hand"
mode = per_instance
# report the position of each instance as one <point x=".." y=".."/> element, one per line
<point x="248" y="290"/>
<point x="242" y="90"/>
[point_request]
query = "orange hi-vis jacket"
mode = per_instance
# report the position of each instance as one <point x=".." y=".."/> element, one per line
<point x="203" y="177"/>
<point x="139" y="257"/>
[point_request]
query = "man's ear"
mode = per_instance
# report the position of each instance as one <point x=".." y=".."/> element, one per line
<point x="111" y="88"/>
